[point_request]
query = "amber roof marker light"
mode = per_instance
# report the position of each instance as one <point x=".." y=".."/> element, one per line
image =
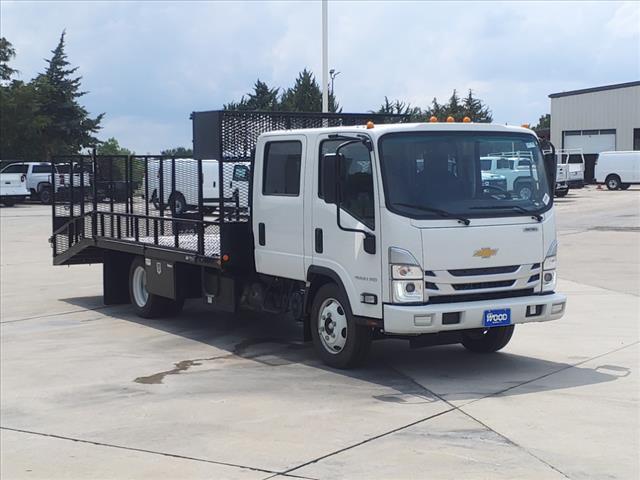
<point x="450" y="119"/>
<point x="433" y="119"/>
<point x="466" y="120"/>
<point x="370" y="125"/>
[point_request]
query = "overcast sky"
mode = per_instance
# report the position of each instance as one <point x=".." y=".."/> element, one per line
<point x="149" y="64"/>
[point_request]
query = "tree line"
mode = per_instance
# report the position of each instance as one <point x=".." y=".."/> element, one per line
<point x="44" y="117"/>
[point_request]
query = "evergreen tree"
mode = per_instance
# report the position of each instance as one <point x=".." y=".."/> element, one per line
<point x="263" y="97"/>
<point x="7" y="53"/>
<point x="306" y="95"/>
<point x="476" y="110"/>
<point x="70" y="128"/>
<point x="544" y="122"/>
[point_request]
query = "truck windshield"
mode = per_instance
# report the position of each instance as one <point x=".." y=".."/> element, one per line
<point x="470" y="174"/>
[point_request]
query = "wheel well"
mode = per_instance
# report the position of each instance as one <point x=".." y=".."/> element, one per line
<point x="316" y="278"/>
<point x="521" y="180"/>
<point x="612" y="175"/>
<point x="43" y="185"/>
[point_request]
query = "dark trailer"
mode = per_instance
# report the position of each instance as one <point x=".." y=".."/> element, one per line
<point x="186" y="222"/>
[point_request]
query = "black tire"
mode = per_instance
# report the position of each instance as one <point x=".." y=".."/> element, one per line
<point x="613" y="182"/>
<point x="489" y="340"/>
<point x="625" y="186"/>
<point x="522" y="188"/>
<point x="45" y="195"/>
<point x="155" y="305"/>
<point x="178" y="204"/>
<point x="154" y="200"/>
<point x="358" y="337"/>
<point x="562" y="193"/>
<point x="9" y="202"/>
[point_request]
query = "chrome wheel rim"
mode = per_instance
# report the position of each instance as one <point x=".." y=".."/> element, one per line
<point x="613" y="184"/>
<point x="332" y="326"/>
<point x="140" y="292"/>
<point x="525" y="193"/>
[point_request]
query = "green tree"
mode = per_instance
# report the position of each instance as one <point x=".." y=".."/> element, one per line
<point x="306" y="95"/>
<point x="178" y="152"/>
<point x="475" y="109"/>
<point x="544" y="122"/>
<point x="70" y="128"/>
<point x="21" y="122"/>
<point x="111" y="146"/>
<point x="262" y="98"/>
<point x="7" y="53"/>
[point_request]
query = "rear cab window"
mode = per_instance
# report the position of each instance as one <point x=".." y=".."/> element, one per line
<point x="281" y="169"/>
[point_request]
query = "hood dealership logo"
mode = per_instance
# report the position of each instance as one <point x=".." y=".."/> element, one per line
<point x="485" y="252"/>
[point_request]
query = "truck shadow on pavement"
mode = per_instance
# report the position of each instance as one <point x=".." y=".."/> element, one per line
<point x="414" y="375"/>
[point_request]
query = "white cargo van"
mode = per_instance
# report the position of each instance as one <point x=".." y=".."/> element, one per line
<point x="618" y="170"/>
<point x="182" y="195"/>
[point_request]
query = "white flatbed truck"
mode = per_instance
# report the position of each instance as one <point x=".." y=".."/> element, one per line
<point x="360" y="230"/>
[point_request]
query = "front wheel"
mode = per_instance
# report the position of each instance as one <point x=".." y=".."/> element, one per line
<point x="339" y="341"/>
<point x="488" y="340"/>
<point x="524" y="191"/>
<point x="149" y="305"/>
<point x="562" y="193"/>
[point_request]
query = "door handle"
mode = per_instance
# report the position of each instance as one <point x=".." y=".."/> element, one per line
<point x="318" y="243"/>
<point x="261" y="235"/>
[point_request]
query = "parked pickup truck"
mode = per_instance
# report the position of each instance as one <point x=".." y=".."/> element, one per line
<point x="38" y="178"/>
<point x="12" y="188"/>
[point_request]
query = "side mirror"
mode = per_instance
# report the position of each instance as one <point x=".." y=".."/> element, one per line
<point x="329" y="177"/>
<point x="551" y="166"/>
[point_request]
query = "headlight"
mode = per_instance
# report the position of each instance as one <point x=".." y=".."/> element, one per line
<point x="407" y="277"/>
<point x="407" y="291"/>
<point x="406" y="272"/>
<point x="549" y="268"/>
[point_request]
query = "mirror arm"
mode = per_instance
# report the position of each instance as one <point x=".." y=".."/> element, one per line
<point x="346" y="229"/>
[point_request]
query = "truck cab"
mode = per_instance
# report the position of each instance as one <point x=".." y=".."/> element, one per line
<point x="391" y="227"/>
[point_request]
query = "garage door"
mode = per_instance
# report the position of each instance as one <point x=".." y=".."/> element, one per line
<point x="590" y="141"/>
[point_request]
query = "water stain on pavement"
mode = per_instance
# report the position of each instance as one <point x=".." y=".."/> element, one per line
<point x="240" y="350"/>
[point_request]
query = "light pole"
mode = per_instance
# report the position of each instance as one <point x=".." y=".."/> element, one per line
<point x="325" y="58"/>
<point x="333" y="74"/>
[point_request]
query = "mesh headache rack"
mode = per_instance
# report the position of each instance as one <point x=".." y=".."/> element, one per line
<point x="196" y="207"/>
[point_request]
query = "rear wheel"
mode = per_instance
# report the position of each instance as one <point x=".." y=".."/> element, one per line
<point x="625" y="186"/>
<point x="45" y="195"/>
<point x="9" y="202"/>
<point x="562" y="193"/>
<point x="488" y="340"/>
<point x="613" y="182"/>
<point x="336" y="337"/>
<point x="149" y="305"/>
<point x="178" y="204"/>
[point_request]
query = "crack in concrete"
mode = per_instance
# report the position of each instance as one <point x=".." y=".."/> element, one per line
<point x="153" y="452"/>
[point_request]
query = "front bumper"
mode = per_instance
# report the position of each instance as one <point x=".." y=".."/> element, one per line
<point x="419" y="319"/>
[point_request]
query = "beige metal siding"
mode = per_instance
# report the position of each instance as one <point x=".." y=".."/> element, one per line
<point x="617" y="109"/>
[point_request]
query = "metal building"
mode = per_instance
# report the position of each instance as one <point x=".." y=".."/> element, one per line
<point x="597" y="119"/>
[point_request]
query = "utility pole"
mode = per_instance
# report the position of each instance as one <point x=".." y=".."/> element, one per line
<point x="325" y="58"/>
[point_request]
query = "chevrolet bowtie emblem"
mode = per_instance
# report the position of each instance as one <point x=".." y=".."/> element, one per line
<point x="485" y="252"/>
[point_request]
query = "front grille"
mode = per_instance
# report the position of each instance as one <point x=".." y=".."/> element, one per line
<point x="482" y="285"/>
<point x="471" y="297"/>
<point x="534" y="278"/>
<point x="469" y="272"/>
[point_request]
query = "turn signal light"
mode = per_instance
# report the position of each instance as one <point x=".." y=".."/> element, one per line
<point x="450" y="120"/>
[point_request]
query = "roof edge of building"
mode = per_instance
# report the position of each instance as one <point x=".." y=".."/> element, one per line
<point x="595" y="89"/>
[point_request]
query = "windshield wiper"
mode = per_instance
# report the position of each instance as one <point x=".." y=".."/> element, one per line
<point x="437" y="211"/>
<point x="518" y="208"/>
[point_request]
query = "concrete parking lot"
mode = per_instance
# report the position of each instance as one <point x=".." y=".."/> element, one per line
<point x="89" y="391"/>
